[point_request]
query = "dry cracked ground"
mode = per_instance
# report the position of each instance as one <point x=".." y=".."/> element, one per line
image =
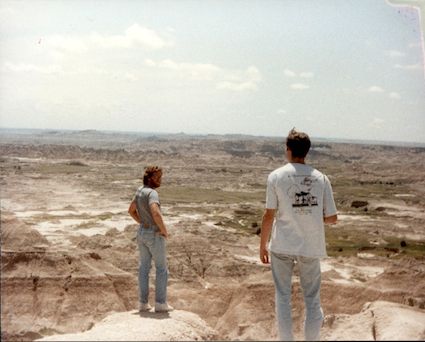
<point x="69" y="257"/>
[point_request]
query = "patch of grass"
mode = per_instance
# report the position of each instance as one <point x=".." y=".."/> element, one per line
<point x="412" y="248"/>
<point x="243" y="227"/>
<point x="55" y="168"/>
<point x="87" y="224"/>
<point x="191" y="209"/>
<point x="53" y="217"/>
<point x="345" y="188"/>
<point x="344" y="242"/>
<point x="184" y="194"/>
<point x="77" y="163"/>
<point x="105" y="216"/>
<point x="349" y="243"/>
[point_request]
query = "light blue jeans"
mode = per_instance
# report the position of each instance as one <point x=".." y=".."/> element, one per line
<point x="152" y="246"/>
<point x="309" y="268"/>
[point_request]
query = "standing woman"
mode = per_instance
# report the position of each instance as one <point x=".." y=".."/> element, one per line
<point x="145" y="209"/>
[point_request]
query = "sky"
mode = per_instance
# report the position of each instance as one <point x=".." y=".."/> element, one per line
<point x="342" y="69"/>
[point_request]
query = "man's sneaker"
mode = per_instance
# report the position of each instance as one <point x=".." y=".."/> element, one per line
<point x="144" y="307"/>
<point x="163" y="307"/>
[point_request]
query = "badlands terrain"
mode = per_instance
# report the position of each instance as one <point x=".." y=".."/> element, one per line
<point x="69" y="257"/>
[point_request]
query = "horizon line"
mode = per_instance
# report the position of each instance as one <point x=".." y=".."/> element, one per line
<point x="334" y="139"/>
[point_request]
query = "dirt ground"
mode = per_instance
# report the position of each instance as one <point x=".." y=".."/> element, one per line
<point x="69" y="257"/>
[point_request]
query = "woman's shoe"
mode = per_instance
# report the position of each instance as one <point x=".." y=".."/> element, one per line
<point x="163" y="307"/>
<point x="143" y="307"/>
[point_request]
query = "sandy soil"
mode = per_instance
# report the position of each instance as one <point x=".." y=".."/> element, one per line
<point x="69" y="258"/>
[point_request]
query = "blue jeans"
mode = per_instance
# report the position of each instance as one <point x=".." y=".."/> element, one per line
<point x="152" y="246"/>
<point x="310" y="277"/>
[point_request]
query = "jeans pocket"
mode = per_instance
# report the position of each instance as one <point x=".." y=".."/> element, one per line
<point x="147" y="237"/>
<point x="160" y="239"/>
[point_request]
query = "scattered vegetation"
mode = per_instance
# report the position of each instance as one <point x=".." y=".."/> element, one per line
<point x="350" y="242"/>
<point x="186" y="194"/>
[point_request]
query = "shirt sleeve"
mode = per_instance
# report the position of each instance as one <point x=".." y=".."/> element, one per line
<point x="329" y="208"/>
<point x="154" y="197"/>
<point x="271" y="197"/>
<point x="137" y="194"/>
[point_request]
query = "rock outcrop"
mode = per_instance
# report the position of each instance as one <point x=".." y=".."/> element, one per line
<point x="149" y="326"/>
<point x="378" y="321"/>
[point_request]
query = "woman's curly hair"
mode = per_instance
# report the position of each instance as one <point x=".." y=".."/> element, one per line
<point x="149" y="172"/>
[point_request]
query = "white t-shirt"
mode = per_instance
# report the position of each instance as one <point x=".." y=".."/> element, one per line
<point x="302" y="196"/>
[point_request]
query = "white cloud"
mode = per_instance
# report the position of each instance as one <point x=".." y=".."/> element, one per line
<point x="9" y="18"/>
<point x="394" y="95"/>
<point x="146" y="37"/>
<point x="7" y="12"/>
<point x="289" y="73"/>
<point x="377" y="123"/>
<point x="375" y="89"/>
<point x="81" y="70"/>
<point x="237" y="86"/>
<point x="66" y="43"/>
<point x="307" y="75"/>
<point x="235" y="80"/>
<point x="254" y="74"/>
<point x="134" y="36"/>
<point x="22" y="67"/>
<point x="116" y="74"/>
<point x="194" y="71"/>
<point x="299" y="86"/>
<point x="150" y="62"/>
<point x="394" y="53"/>
<point x="408" y="66"/>
<point x="304" y="74"/>
<point x="130" y="77"/>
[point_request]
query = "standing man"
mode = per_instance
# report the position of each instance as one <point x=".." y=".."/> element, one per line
<point x="145" y="209"/>
<point x="299" y="201"/>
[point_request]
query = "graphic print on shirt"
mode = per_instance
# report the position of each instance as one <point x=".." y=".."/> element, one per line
<point x="302" y="194"/>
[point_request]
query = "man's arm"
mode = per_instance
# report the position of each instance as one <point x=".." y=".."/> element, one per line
<point x="266" y="227"/>
<point x="157" y="217"/>
<point x="330" y="219"/>
<point x="132" y="210"/>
